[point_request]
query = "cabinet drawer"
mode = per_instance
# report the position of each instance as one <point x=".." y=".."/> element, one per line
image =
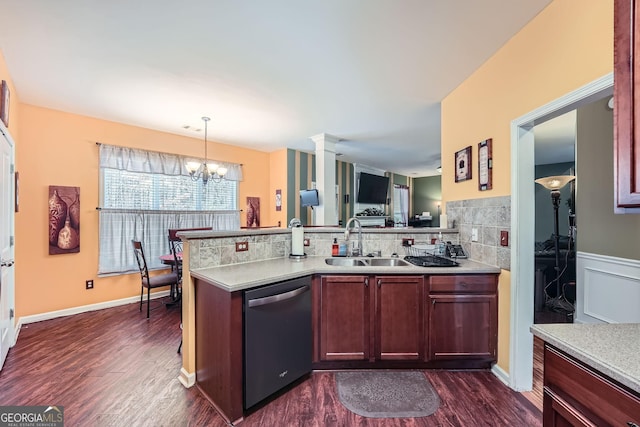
<point x="592" y="394"/>
<point x="476" y="283"/>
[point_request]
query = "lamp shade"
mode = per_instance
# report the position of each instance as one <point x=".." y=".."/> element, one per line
<point x="555" y="182"/>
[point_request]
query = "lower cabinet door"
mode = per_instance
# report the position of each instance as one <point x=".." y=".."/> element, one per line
<point x="399" y="325"/>
<point x="462" y="327"/>
<point x="344" y="314"/>
<point x="559" y="413"/>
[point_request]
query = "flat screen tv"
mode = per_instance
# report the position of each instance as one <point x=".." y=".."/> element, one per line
<point x="309" y="198"/>
<point x="373" y="188"/>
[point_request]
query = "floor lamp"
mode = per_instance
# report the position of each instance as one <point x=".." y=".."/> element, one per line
<point x="555" y="183"/>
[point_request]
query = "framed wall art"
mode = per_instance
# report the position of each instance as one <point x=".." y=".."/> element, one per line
<point x="64" y="220"/>
<point x="253" y="212"/>
<point x="4" y="103"/>
<point x="16" y="190"/>
<point x="463" y="164"/>
<point x="485" y="165"/>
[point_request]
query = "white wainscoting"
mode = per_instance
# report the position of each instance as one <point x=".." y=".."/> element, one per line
<point x="608" y="289"/>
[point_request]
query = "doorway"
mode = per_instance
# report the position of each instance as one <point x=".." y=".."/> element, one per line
<point x="555" y="267"/>
<point x="523" y="214"/>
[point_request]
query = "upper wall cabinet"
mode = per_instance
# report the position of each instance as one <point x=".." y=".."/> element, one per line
<point x="626" y="157"/>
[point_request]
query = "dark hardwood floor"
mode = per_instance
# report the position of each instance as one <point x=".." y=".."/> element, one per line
<point x="114" y="367"/>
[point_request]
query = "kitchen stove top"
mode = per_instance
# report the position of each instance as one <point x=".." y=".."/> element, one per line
<point x="431" y="261"/>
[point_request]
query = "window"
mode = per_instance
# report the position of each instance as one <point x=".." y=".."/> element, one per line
<point x="144" y="193"/>
<point x="401" y="204"/>
<point x="154" y="191"/>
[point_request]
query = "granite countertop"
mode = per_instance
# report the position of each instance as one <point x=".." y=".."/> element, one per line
<point x="235" y="277"/>
<point x="205" y="234"/>
<point x="611" y="348"/>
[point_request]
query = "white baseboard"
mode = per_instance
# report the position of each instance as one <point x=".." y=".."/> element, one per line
<point x="608" y="289"/>
<point x="188" y="379"/>
<point x="501" y="374"/>
<point x="83" y="309"/>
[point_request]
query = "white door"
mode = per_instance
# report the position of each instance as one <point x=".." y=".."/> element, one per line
<point x="7" y="271"/>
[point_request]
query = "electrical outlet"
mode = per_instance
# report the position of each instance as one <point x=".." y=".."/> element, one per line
<point x="242" y="246"/>
<point x="89" y="284"/>
<point x="474" y="234"/>
<point x="504" y="238"/>
<point x="407" y="241"/>
<point x="307" y="242"/>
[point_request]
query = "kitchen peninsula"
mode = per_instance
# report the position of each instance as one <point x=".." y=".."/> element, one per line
<point x="361" y="316"/>
<point x="591" y="374"/>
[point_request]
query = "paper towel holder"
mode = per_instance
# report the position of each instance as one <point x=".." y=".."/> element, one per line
<point x="295" y="222"/>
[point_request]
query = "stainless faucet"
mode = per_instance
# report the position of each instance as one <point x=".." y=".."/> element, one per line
<point x="354" y="251"/>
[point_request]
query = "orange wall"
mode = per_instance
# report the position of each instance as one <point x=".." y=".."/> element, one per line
<point x="569" y="44"/>
<point x="57" y="148"/>
<point x="278" y="181"/>
<point x="14" y="114"/>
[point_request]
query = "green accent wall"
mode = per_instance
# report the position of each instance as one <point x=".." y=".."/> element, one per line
<point x="599" y="230"/>
<point x="299" y="177"/>
<point x="293" y="196"/>
<point x="427" y="194"/>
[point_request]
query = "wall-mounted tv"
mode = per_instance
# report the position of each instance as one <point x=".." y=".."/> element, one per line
<point x="372" y="188"/>
<point x="309" y="198"/>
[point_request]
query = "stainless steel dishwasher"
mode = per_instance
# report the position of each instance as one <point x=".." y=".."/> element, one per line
<point x="277" y="337"/>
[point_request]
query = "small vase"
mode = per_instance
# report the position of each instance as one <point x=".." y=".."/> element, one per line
<point x="74" y="212"/>
<point x="68" y="237"/>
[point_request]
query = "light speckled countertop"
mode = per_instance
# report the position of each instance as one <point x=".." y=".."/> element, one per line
<point x="613" y="349"/>
<point x="236" y="277"/>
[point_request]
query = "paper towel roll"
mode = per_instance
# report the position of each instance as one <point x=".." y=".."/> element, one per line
<point x="297" y="241"/>
<point x="443" y="221"/>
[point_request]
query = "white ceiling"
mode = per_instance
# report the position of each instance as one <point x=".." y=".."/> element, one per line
<point x="270" y="74"/>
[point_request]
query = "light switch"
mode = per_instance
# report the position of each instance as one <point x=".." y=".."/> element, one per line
<point x="474" y="234"/>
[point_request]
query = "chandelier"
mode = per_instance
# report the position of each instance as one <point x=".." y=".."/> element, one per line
<point x="205" y="170"/>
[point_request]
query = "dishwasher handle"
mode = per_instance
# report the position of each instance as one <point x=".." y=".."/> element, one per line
<point x="277" y="298"/>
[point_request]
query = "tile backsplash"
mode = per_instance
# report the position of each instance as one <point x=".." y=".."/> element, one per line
<point x="489" y="217"/>
<point x="211" y="252"/>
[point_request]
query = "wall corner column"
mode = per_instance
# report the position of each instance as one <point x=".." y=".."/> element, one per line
<point x="326" y="213"/>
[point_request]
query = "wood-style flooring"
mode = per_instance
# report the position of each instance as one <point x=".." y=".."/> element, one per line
<point x="115" y="367"/>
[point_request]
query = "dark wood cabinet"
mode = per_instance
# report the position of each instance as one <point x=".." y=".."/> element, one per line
<point x="369" y="318"/>
<point x="406" y="321"/>
<point x="399" y="326"/>
<point x="462" y="317"/>
<point x="344" y="310"/>
<point x="626" y="86"/>
<point x="577" y="395"/>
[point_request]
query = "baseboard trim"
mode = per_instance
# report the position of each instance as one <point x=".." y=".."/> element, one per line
<point x="83" y="309"/>
<point x="188" y="379"/>
<point x="501" y="374"/>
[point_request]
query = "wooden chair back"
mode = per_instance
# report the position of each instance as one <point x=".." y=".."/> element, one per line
<point x="140" y="259"/>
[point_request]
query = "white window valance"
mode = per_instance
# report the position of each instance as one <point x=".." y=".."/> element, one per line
<point x="136" y="160"/>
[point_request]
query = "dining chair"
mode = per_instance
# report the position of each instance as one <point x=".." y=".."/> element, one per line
<point x="151" y="282"/>
<point x="175" y="247"/>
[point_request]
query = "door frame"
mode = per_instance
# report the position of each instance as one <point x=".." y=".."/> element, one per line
<point x="522" y="216"/>
<point x="9" y="292"/>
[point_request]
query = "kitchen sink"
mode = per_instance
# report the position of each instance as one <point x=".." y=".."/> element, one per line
<point x="372" y="262"/>
<point x="345" y="262"/>
<point x="387" y="262"/>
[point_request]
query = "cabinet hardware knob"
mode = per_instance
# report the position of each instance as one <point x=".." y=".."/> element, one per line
<point x="366" y="282"/>
<point x="632" y="424"/>
<point x="379" y="282"/>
